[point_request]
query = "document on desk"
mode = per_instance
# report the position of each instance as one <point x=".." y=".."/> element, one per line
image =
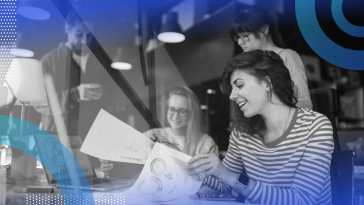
<point x="111" y="139"/>
<point x="164" y="177"/>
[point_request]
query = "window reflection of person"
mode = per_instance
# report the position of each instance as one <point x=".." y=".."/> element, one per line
<point x="185" y="132"/>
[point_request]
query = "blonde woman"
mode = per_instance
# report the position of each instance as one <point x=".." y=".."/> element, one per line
<point x="185" y="124"/>
<point x="185" y="132"/>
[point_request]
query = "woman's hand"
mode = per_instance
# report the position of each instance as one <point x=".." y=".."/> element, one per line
<point x="207" y="191"/>
<point x="106" y="167"/>
<point x="159" y="138"/>
<point x="204" y="165"/>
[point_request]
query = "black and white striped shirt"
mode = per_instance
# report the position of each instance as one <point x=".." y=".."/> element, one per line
<point x="294" y="169"/>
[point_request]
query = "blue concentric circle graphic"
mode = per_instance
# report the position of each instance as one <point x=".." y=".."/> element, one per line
<point x="323" y="45"/>
<point x="342" y="23"/>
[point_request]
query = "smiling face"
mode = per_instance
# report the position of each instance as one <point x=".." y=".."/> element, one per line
<point x="250" y="94"/>
<point x="177" y="106"/>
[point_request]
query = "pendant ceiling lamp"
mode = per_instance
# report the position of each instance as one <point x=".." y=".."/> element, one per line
<point x="171" y="31"/>
<point x="34" y="9"/>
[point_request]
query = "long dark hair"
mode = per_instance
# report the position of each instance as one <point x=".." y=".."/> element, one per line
<point x="253" y="18"/>
<point x="266" y="66"/>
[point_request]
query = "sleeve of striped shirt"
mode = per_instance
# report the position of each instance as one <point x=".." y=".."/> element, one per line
<point x="312" y="175"/>
<point x="232" y="161"/>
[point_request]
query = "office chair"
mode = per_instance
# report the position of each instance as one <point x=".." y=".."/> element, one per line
<point x="325" y="101"/>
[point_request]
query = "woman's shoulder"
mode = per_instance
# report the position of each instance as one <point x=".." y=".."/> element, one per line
<point x="287" y="52"/>
<point x="289" y="55"/>
<point x="207" y="145"/>
<point x="308" y="112"/>
<point x="310" y="115"/>
<point x="207" y="139"/>
<point x="292" y="60"/>
<point x="318" y="125"/>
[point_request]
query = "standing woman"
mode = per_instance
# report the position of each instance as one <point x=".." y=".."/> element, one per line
<point x="185" y="124"/>
<point x="278" y="153"/>
<point x="256" y="28"/>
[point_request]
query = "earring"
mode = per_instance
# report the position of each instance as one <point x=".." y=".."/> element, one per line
<point x="268" y="89"/>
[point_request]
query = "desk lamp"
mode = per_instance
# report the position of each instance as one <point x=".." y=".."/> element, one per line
<point x="26" y="78"/>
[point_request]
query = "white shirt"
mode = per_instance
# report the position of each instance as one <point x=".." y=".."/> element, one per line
<point x="81" y="60"/>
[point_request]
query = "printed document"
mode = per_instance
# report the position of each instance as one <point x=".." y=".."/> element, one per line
<point x="111" y="139"/>
<point x="164" y="177"/>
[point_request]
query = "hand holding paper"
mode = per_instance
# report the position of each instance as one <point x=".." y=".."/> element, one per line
<point x="164" y="176"/>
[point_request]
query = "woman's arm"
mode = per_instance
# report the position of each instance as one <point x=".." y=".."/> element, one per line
<point x="232" y="162"/>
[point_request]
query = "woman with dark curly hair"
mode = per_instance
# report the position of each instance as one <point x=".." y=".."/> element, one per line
<point x="278" y="153"/>
<point x="257" y="28"/>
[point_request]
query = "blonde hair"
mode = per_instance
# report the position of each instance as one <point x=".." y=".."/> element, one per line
<point x="194" y="126"/>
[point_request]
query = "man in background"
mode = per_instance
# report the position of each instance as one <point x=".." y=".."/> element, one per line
<point x="74" y="77"/>
<point x="81" y="83"/>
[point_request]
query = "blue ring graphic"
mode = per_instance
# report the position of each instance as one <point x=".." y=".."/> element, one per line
<point x="345" y="25"/>
<point x="320" y="43"/>
<point x="47" y="164"/>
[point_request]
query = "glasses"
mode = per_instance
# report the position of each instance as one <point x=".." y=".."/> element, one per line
<point x="181" y="112"/>
<point x="244" y="37"/>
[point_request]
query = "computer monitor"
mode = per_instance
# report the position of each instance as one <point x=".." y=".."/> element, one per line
<point x="353" y="140"/>
<point x="50" y="150"/>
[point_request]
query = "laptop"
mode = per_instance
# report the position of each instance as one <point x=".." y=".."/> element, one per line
<point x="50" y="149"/>
<point x="353" y="140"/>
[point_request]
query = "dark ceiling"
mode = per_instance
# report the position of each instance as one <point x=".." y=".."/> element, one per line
<point x="158" y="7"/>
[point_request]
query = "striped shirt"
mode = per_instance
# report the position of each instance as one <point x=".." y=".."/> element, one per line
<point x="294" y="169"/>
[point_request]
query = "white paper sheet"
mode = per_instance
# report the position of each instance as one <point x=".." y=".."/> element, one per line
<point x="164" y="177"/>
<point x="111" y="139"/>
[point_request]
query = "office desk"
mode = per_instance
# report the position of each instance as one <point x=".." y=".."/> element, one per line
<point x="114" y="196"/>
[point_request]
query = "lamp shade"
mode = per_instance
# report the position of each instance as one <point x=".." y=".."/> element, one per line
<point x="121" y="60"/>
<point x="125" y="57"/>
<point x="24" y="44"/>
<point x="34" y="9"/>
<point x="171" y="31"/>
<point x="25" y="76"/>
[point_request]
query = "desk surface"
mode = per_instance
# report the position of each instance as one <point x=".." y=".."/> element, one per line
<point x="115" y="196"/>
<point x="101" y="198"/>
